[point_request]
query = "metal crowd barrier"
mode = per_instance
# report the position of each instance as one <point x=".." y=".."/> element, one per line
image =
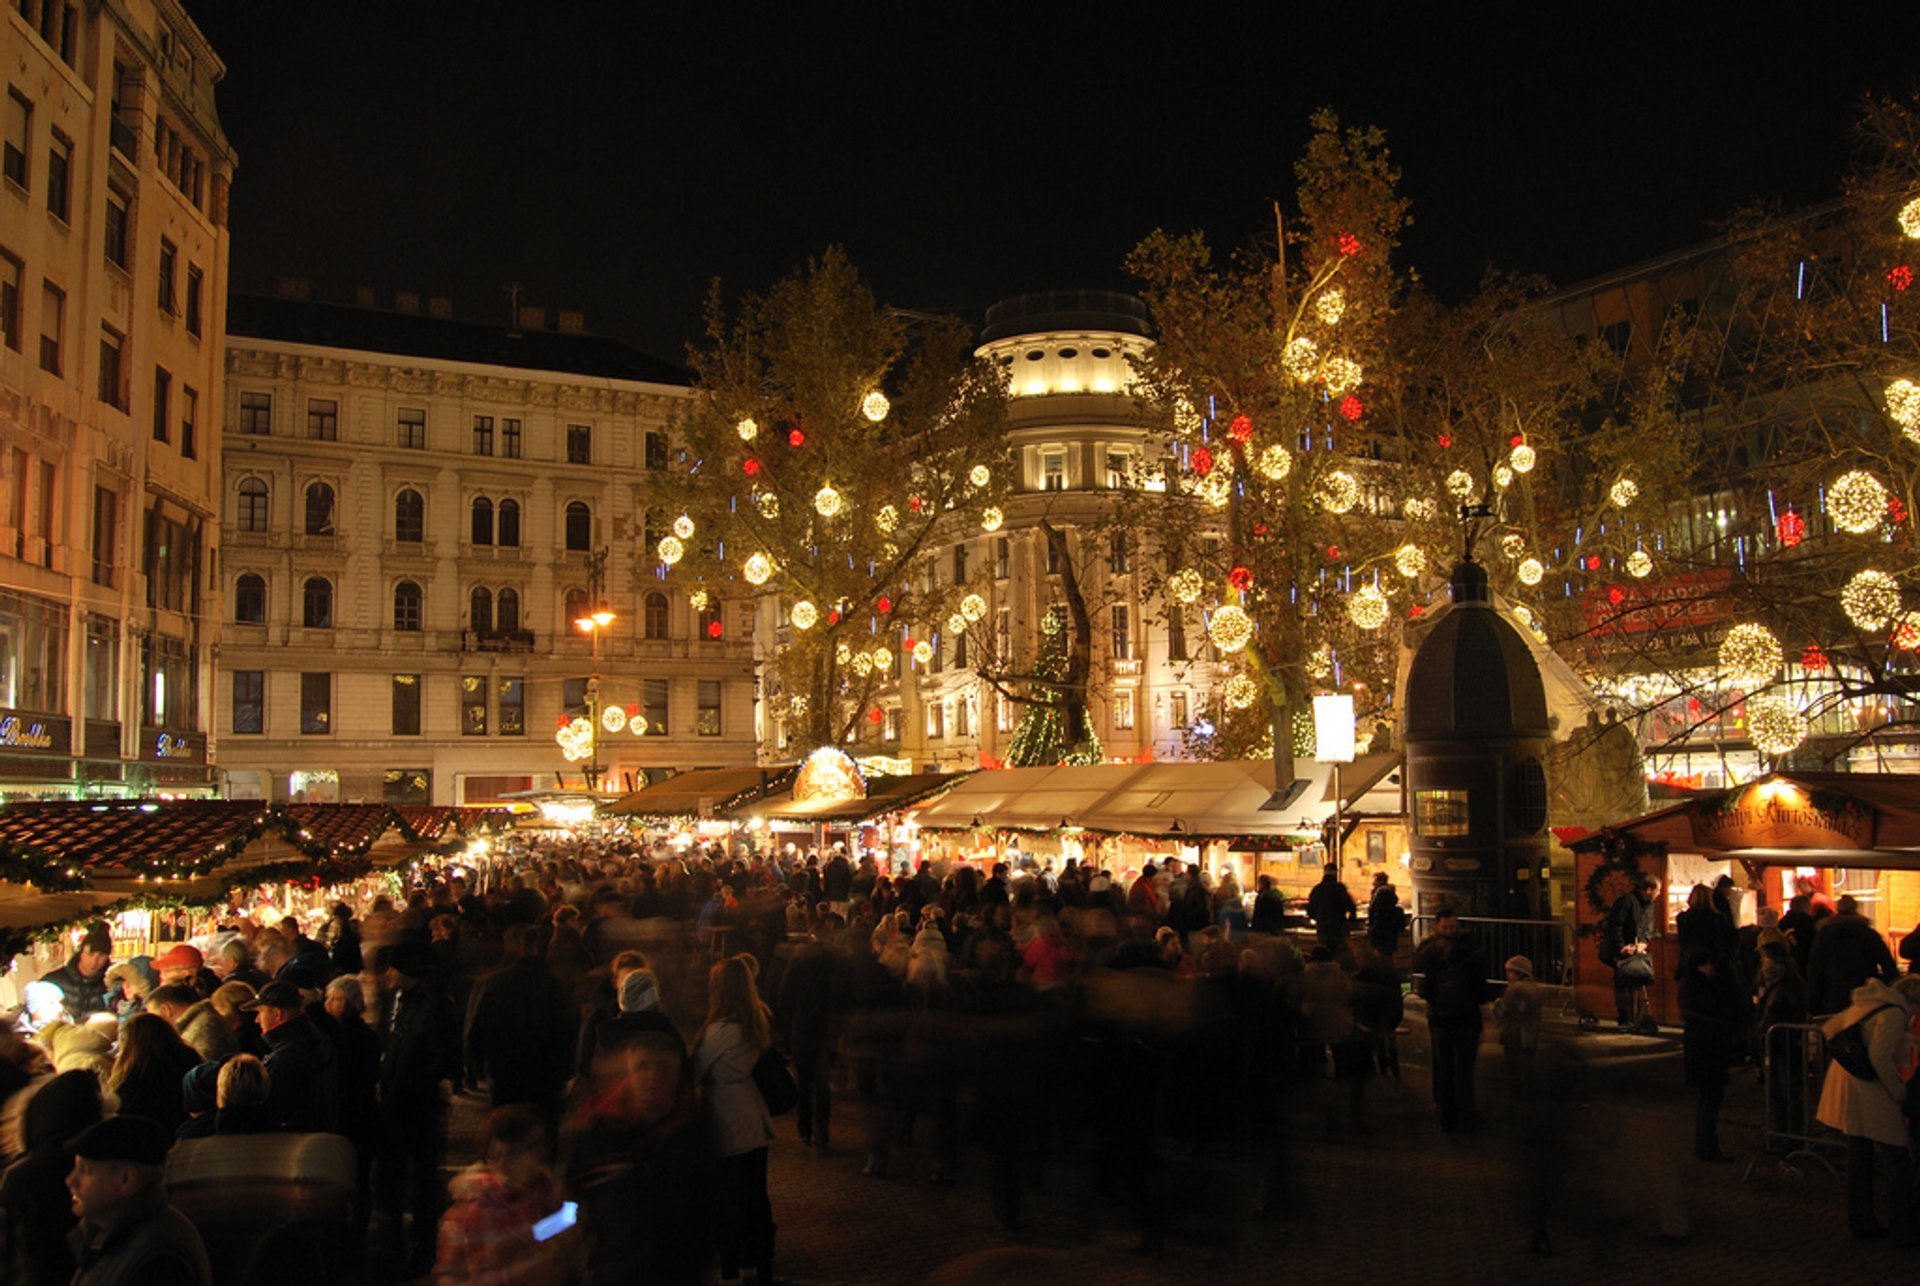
<point x="1793" y="1062"/>
<point x="1548" y="943"/>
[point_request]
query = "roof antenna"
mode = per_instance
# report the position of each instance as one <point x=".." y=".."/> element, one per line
<point x="513" y="289"/>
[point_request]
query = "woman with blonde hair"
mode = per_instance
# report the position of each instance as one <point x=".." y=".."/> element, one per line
<point x="738" y="1031"/>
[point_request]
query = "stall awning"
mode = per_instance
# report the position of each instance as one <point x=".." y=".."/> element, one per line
<point x="702" y="792"/>
<point x="884" y="795"/>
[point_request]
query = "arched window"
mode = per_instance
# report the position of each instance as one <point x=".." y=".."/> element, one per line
<point x="656" y="615"/>
<point x="579" y="526"/>
<point x="252" y="515"/>
<point x="506" y="611"/>
<point x="409" y="517"/>
<point x="317" y="604"/>
<point x="406" y="606"/>
<point x="482" y="521"/>
<point x="480" y="609"/>
<point x="509" y="533"/>
<point x="250" y="600"/>
<point x="319" y="509"/>
<point x="576" y="608"/>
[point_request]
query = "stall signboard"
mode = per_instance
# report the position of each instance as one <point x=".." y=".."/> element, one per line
<point x="166" y="746"/>
<point x="1778" y="815"/>
<point x="28" y="732"/>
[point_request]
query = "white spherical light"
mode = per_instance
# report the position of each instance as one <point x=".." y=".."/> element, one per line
<point x="826" y="502"/>
<point x="758" y="569"/>
<point x="922" y="652"/>
<point x="804" y="615"/>
<point x="883" y="659"/>
<point x="875" y="406"/>
<point x="1239" y="692"/>
<point x="1419" y="509"/>
<point x="1502" y="476"/>
<point x="1338" y="491"/>
<point x="683" y="527"/>
<point x="1909" y="218"/>
<point x="1871" y="599"/>
<point x="1903" y="407"/>
<point x="1775" y="726"/>
<point x="1185" y="585"/>
<point x="979" y="475"/>
<point x="1340" y="375"/>
<point x="973" y="607"/>
<point x="613" y="718"/>
<point x="991" y="518"/>
<point x="670" y="550"/>
<point x="1523" y="459"/>
<point x="747" y="429"/>
<point x="1530" y="571"/>
<point x="769" y="505"/>
<point x="1857" y="502"/>
<point x="1411" y="560"/>
<point x="1639" y="563"/>
<point x="1750" y="655"/>
<point x="1274" y="463"/>
<point x="1331" y="306"/>
<point x="1513" y="545"/>
<point x="1301" y="358"/>
<point x="887" y="519"/>
<point x="1367" y="608"/>
<point x="1231" y="629"/>
<point x="1623" y="493"/>
<point x="1459" y="484"/>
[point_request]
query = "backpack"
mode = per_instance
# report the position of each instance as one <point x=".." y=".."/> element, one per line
<point x="1848" y="1047"/>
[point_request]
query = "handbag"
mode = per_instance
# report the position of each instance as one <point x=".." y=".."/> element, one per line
<point x="1848" y="1047"/>
<point x="1635" y="970"/>
<point x="774" y="1080"/>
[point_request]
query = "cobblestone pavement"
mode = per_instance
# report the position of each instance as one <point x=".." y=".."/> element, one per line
<point x="1399" y="1201"/>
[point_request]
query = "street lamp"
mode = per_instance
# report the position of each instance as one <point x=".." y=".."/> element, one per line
<point x="592" y="624"/>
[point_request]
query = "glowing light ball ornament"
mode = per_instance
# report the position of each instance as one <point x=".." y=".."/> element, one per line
<point x="1320" y="663"/>
<point x="1906" y="632"/>
<point x="1231" y="629"/>
<point x="1813" y="657"/>
<point x="842" y="654"/>
<point x="1530" y="571"/>
<point x="1513" y="545"/>
<point x="1241" y="429"/>
<point x="1202" y="461"/>
<point x="991" y="518"/>
<point x="1352" y="408"/>
<point x="973" y="607"/>
<point x="1340" y="375"/>
<point x="698" y="600"/>
<point x="1750" y="655"/>
<point x="887" y="519"/>
<point x="1217" y="487"/>
<point x="875" y="406"/>
<point x="758" y="569"/>
<point x="883" y="659"/>
<point x="922" y="652"/>
<point x="1639" y="563"/>
<point x="1185" y="418"/>
<point x="1909" y="218"/>
<point x="1367" y="608"/>
<point x="1791" y="528"/>
<point x="1623" y="493"/>
<point x="1775" y="726"/>
<point x="670" y="550"/>
<point x="1240" y="578"/>
<point x="804" y="615"/>
<point x="769" y="505"/>
<point x="613" y="719"/>
<point x="1418" y="509"/>
<point x="637" y="725"/>
<point x="1185" y="585"/>
<point x="979" y="475"/>
<point x="683" y="527"/>
<point x="1239" y="692"/>
<point x="1301" y="358"/>
<point x="861" y="664"/>
<point x="747" y="429"/>
<point x="1871" y="599"/>
<point x="826" y="502"/>
<point x="956" y="624"/>
<point x="1502" y="476"/>
<point x="1523" y="458"/>
<point x="1338" y="492"/>
<point x="1459" y="484"/>
<point x="1331" y="306"/>
<point x="1903" y="407"/>
<point x="1857" y="502"/>
<point x="1274" y="463"/>
<point x="1411" y="560"/>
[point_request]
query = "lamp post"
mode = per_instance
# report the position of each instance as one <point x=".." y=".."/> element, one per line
<point x="598" y="618"/>
<point x="1333" y="744"/>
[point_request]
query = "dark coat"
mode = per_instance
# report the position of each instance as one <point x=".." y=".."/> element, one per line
<point x="1455" y="985"/>
<point x="1330" y="907"/>
<point x="1706" y="1005"/>
<point x="420" y="1048"/>
<point x="149" y="1243"/>
<point x="1847" y="950"/>
<point x="303" y="1077"/>
<point x="1707" y="929"/>
<point x="34" y="1199"/>
<point x="82" y="995"/>
<point x="521" y="1033"/>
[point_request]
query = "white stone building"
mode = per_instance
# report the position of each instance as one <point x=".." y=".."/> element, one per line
<point x="412" y="513"/>
<point x="114" y="175"/>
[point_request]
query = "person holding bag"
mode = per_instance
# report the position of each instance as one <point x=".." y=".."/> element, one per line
<point x="1624" y="949"/>
<point x="738" y="1031"/>
<point x="1867" y="1102"/>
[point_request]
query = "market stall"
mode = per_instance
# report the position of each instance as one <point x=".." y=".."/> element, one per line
<point x="883" y="819"/>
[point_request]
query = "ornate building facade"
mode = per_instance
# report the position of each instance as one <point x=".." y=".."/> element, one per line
<point x="114" y="174"/>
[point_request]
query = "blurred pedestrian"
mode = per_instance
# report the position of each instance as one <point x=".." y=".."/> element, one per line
<point x="1868" y="1105"/>
<point x="737" y="1032"/>
<point x="1455" y="988"/>
<point x="1706" y="1007"/>
<point x="1519" y="1011"/>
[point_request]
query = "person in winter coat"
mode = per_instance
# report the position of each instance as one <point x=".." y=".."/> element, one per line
<point x="1331" y="909"/>
<point x="147" y="1069"/>
<point x="487" y="1233"/>
<point x="1780" y="996"/>
<point x="1706" y="1005"/>
<point x="738" y="1030"/>
<point x="1701" y="925"/>
<point x="1847" y="950"/>
<point x="1871" y="1112"/>
<point x="208" y="1032"/>
<point x="34" y="1200"/>
<point x="1269" y="908"/>
<point x="1455" y="986"/>
<point x="521" y="1032"/>
<point x="1519" y="1012"/>
<point x="83" y="979"/>
<point x="305" y="1071"/>
<point x="1386" y="918"/>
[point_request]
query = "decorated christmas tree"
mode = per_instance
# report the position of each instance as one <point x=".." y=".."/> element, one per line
<point x="1056" y="728"/>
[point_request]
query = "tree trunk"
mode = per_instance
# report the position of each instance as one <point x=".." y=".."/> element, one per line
<point x="1079" y="642"/>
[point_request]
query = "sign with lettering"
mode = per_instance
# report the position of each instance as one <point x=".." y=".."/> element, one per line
<point x="166" y="746"/>
<point x="1778" y="814"/>
<point x="36" y="733"/>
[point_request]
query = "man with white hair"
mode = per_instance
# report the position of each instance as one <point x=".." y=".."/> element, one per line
<point x="128" y="1231"/>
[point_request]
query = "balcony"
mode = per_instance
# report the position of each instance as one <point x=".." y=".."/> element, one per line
<point x="496" y="640"/>
<point x="1126" y="667"/>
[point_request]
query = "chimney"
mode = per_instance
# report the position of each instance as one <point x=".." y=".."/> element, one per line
<point x="363" y="297"/>
<point x="407" y="301"/>
<point x="572" y="323"/>
<point x="532" y="318"/>
<point x="439" y="306"/>
<point x="300" y="288"/>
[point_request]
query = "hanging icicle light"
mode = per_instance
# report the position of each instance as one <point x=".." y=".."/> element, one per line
<point x="1775" y="726"/>
<point x="1411" y="560"/>
<point x="1459" y="484"/>
<point x="1331" y="306"/>
<point x="1275" y="463"/>
<point x="1530" y="571"/>
<point x="1185" y="585"/>
<point x="875" y="406"/>
<point x="758" y="569"/>
<point x="1623" y="493"/>
<point x="670" y="549"/>
<point x="1639" y="563"/>
<point x="1338" y="491"/>
<point x="804" y="615"/>
<point x="1231" y="629"/>
<point x="1523" y="459"/>
<point x="1871" y="599"/>
<point x="1301" y="358"/>
<point x="826" y="502"/>
<point x="973" y="607"/>
<point x="1367" y="607"/>
<point x="1750" y="655"/>
<point x="1239" y="692"/>
<point x="1857" y="502"/>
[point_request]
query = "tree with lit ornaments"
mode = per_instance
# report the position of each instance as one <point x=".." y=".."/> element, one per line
<point x="1056" y="727"/>
<point x="829" y="442"/>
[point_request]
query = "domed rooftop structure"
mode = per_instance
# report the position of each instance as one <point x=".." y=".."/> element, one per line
<point x="1474" y="674"/>
<point x="1066" y="310"/>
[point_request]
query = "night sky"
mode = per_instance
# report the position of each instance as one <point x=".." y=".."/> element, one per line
<point x="615" y="157"/>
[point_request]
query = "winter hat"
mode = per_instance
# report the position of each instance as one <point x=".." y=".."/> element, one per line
<point x="1520" y="965"/>
<point x="180" y="956"/>
<point x="639" y="991"/>
<point x="199" y="1088"/>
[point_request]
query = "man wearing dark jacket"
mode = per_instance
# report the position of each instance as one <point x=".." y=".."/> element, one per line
<point x="1847" y="950"/>
<point x="521" y="1030"/>
<point x="837" y="882"/>
<point x="83" y="979"/>
<point x="420" y="1051"/>
<point x="1455" y="986"/>
<point x="1331" y="909"/>
<point x="129" y="1231"/>
<point x="305" y="1078"/>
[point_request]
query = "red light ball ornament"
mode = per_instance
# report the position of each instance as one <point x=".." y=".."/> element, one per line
<point x="914" y="503"/>
<point x="1813" y="657"/>
<point x="714" y="629"/>
<point x="1347" y="244"/>
<point x="1900" y="276"/>
<point x="1593" y="562"/>
<point x="1333" y="551"/>
<point x="1517" y="439"/>
<point x="1202" y="461"/>
<point x="633" y="709"/>
<point x="752" y="467"/>
<point x="1445" y="440"/>
<point x="1351" y="408"/>
<point x="1791" y="528"/>
<point x="1616" y="595"/>
<point x="1896" y="509"/>
<point x="1416" y="611"/>
<point x="876" y="715"/>
<point x="884" y="604"/>
<point x="1259" y="529"/>
<point x="796" y="439"/>
<point x="1241" y="429"/>
<point x="1240" y="578"/>
<point x="833" y="616"/>
<point x="1693" y="705"/>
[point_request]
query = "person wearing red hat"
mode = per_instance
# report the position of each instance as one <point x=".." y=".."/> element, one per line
<point x="182" y="965"/>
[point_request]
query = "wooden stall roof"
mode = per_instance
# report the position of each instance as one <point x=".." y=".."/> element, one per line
<point x="691" y="793"/>
<point x="884" y="795"/>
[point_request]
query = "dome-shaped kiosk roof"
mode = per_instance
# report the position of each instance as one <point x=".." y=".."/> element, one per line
<point x="1474" y="675"/>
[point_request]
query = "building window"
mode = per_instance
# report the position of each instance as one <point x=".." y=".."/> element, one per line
<point x="410" y="428"/>
<point x="1002" y="558"/>
<point x="1176" y="634"/>
<point x="510" y="439"/>
<point x="708" y="722"/>
<point x="656" y="445"/>
<point x="573" y="698"/>
<point x="513" y="707"/>
<point x="655" y="612"/>
<point x="13" y="275"/>
<point x="1440" y="813"/>
<point x="960" y="563"/>
<point x="480" y="610"/>
<point x="473" y="706"/>
<point x="169" y="270"/>
<point x="481" y="526"/>
<point x="960" y="651"/>
<point x="1003" y="712"/>
<point x="172" y="562"/>
<point x="319" y="509"/>
<point x="53" y="320"/>
<point x="575" y="609"/>
<point x="1053" y="470"/>
<point x="113" y="374"/>
<point x="1053" y="552"/>
<point x="256" y="413"/>
<point x="13" y="146"/>
<point x="1122" y="634"/>
<point x="653" y="706"/>
<point x="316" y="603"/>
<point x="579" y="526"/>
<point x="406" y="705"/>
<point x="323" y="419"/>
<point x="507" y="534"/>
<point x="1119" y="469"/>
<point x="162" y="403"/>
<point x="118" y="222"/>
<point x="1122" y="711"/>
<point x="250" y="599"/>
<point x="1003" y="636"/>
<point x="483" y="435"/>
<point x="1118" y="564"/>
<point x="252" y="512"/>
<point x="1177" y="710"/>
<point x="195" y="280"/>
<point x="939" y="660"/>
<point x="936" y="719"/>
<point x="60" y="179"/>
<point x="189" y="421"/>
<point x="316" y="704"/>
<point x="407" y="607"/>
<point x="409" y="517"/>
<point x="963" y="717"/>
<point x="708" y="628"/>
<point x="579" y="444"/>
<point x="249" y="701"/>
<point x="106" y="534"/>
<point x="506" y="611"/>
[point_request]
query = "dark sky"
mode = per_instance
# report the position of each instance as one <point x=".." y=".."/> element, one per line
<point x="616" y="156"/>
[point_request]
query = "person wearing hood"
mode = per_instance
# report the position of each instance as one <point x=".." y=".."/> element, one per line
<point x="1870" y="1111"/>
<point x="34" y="1200"/>
<point x="1847" y="951"/>
<point x="128" y="986"/>
<point x="301" y="1063"/>
<point x="639" y="1012"/>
